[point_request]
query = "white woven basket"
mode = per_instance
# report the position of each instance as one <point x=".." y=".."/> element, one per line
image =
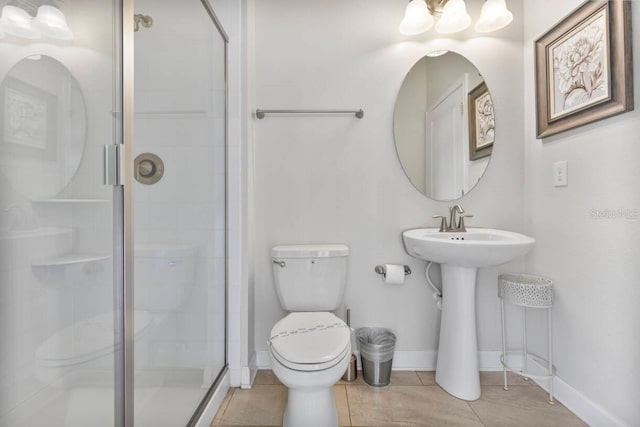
<point x="525" y="290"/>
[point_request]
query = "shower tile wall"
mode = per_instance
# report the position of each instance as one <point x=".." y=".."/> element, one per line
<point x="180" y="116"/>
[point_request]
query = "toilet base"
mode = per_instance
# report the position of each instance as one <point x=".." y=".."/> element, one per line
<point x="311" y="408"/>
<point x="310" y="400"/>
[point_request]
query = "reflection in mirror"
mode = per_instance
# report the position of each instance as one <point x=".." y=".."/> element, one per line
<point x="444" y="126"/>
<point x="43" y="126"/>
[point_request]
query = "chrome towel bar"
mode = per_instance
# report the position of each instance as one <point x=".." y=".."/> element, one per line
<point x="358" y="113"/>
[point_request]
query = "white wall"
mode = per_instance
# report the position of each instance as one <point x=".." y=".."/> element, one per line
<point x="593" y="262"/>
<point x="338" y="179"/>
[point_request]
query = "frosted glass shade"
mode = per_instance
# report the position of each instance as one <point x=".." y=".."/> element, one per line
<point x="417" y="18"/>
<point x="494" y="16"/>
<point x="454" y="17"/>
<point x="18" y="22"/>
<point x="52" y="23"/>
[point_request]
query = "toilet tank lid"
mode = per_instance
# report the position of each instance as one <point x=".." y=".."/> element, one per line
<point x="309" y="251"/>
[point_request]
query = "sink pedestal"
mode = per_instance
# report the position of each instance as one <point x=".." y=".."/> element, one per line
<point x="460" y="254"/>
<point x="457" y="370"/>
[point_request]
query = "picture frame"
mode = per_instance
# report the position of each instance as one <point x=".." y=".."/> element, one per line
<point x="584" y="68"/>
<point x="482" y="122"/>
<point x="29" y="117"/>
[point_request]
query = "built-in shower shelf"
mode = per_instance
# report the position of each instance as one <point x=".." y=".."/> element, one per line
<point x="71" y="201"/>
<point x="71" y="259"/>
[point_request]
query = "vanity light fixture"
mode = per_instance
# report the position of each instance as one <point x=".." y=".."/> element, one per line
<point x="454" y="17"/>
<point x="494" y="16"/>
<point x="420" y="16"/>
<point x="417" y="18"/>
<point x="17" y="22"/>
<point x="51" y="22"/>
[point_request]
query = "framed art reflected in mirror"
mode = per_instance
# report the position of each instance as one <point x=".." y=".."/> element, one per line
<point x="482" y="122"/>
<point x="29" y="116"/>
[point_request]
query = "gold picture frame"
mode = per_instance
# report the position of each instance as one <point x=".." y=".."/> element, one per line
<point x="584" y="67"/>
<point x="482" y="122"/>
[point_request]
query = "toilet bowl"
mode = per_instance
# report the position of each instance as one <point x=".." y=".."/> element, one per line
<point x="309" y="353"/>
<point x="86" y="345"/>
<point x="310" y="348"/>
<point x="164" y="279"/>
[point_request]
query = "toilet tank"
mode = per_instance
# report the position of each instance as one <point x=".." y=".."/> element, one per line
<point x="163" y="276"/>
<point x="310" y="277"/>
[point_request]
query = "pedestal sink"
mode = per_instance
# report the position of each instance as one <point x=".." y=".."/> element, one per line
<point x="460" y="254"/>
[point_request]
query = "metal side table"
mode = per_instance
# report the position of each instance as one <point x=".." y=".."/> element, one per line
<point x="527" y="291"/>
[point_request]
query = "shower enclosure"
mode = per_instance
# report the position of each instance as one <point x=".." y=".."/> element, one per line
<point x="113" y="147"/>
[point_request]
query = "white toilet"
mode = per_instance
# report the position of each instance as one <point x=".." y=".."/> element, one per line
<point x="310" y="348"/>
<point x="164" y="278"/>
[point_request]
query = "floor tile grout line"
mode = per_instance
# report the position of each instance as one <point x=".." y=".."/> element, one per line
<point x="346" y="394"/>
<point x="476" y="414"/>
<point x="416" y="374"/>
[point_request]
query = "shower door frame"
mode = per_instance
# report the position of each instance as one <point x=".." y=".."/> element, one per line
<point x="124" y="387"/>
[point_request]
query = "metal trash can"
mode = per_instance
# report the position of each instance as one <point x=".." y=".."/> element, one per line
<point x="376" y="351"/>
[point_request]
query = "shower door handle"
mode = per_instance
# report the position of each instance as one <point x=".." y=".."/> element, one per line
<point x="112" y="165"/>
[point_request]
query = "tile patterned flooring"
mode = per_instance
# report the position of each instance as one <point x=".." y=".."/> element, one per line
<point x="412" y="399"/>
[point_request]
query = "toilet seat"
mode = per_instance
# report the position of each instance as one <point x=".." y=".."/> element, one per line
<point x="310" y="341"/>
<point x="86" y="340"/>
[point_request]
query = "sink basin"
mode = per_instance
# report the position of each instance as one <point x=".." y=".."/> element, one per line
<point x="477" y="247"/>
<point x="460" y="255"/>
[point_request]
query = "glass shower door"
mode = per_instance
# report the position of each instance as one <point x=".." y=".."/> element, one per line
<point x="57" y="107"/>
<point x="179" y="224"/>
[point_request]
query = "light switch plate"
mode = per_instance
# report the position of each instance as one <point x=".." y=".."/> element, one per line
<point x="560" y="174"/>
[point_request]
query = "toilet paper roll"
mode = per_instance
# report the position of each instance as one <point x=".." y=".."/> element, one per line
<point x="394" y="274"/>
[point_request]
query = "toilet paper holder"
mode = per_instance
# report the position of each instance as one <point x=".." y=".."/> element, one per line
<point x="383" y="271"/>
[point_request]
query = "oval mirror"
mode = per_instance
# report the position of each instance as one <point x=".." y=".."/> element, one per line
<point x="444" y="126"/>
<point x="44" y="123"/>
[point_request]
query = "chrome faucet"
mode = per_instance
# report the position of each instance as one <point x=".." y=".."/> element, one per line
<point x="456" y="220"/>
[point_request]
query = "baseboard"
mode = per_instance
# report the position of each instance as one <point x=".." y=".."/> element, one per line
<point x="262" y="359"/>
<point x="212" y="407"/>
<point x="584" y="408"/>
<point x="423" y="360"/>
<point x="248" y="373"/>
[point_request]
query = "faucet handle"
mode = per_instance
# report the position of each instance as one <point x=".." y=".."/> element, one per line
<point x="443" y="222"/>
<point x="461" y="226"/>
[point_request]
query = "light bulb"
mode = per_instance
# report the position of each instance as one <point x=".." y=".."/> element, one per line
<point x="454" y="17"/>
<point x="52" y="23"/>
<point x="417" y="18"/>
<point x="494" y="16"/>
<point x="17" y="22"/>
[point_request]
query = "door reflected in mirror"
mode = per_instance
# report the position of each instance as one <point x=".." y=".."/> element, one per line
<point x="444" y="126"/>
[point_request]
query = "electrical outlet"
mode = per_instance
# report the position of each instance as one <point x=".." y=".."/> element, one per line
<point x="560" y="174"/>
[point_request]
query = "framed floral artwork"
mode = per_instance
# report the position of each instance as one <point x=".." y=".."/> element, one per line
<point x="482" y="122"/>
<point x="584" y="67"/>
<point x="28" y="120"/>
